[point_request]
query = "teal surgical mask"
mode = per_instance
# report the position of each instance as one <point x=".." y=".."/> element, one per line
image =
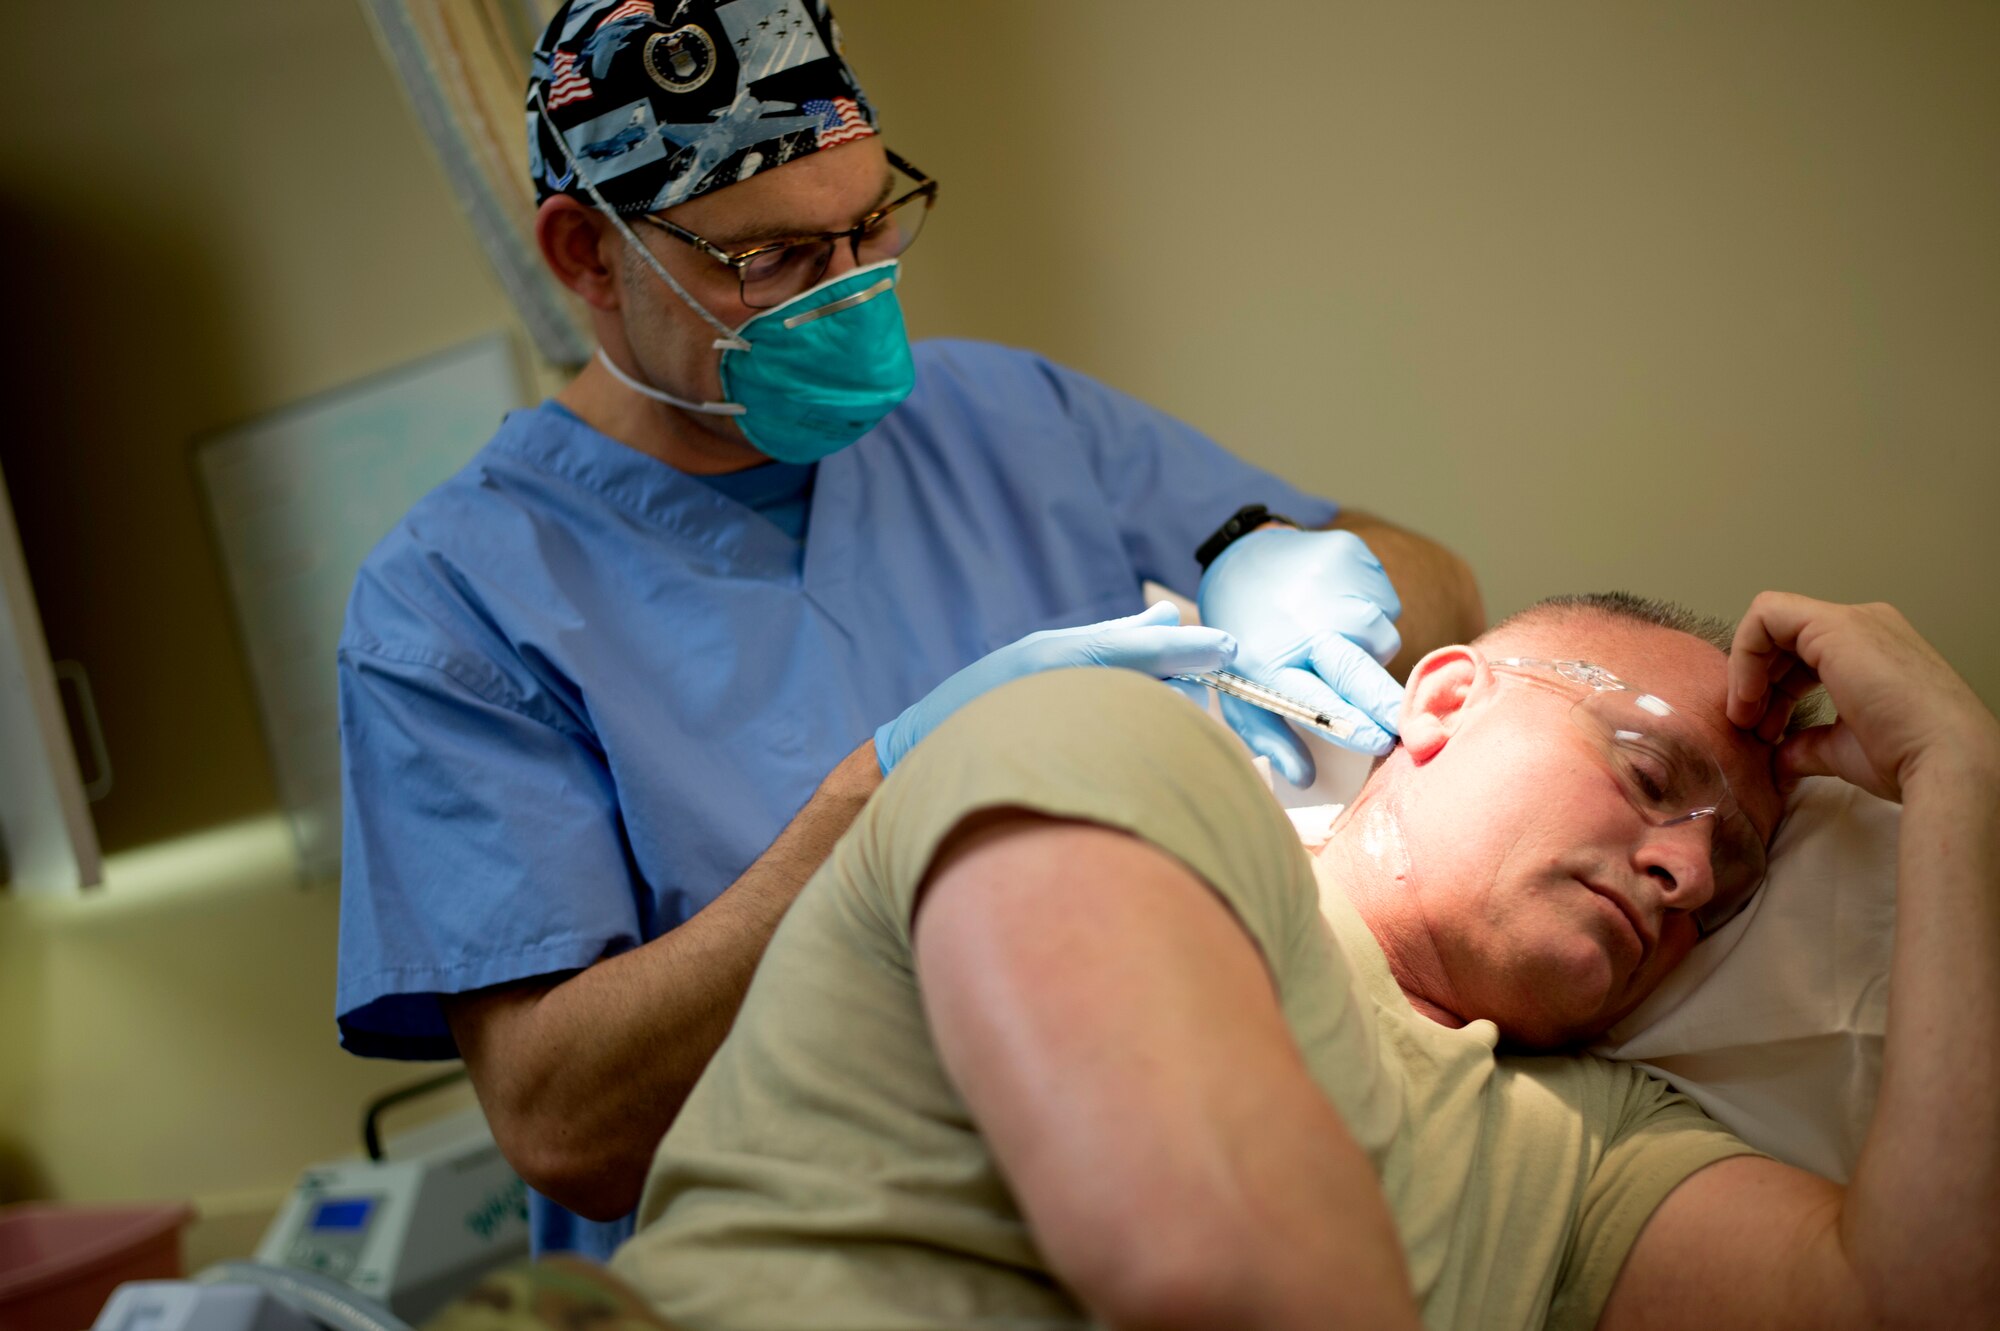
<point x="808" y="377"/>
<point x="803" y="379"/>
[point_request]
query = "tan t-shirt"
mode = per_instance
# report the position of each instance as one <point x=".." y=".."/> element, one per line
<point x="825" y="1173"/>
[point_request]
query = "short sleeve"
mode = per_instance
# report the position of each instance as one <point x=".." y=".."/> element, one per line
<point x="1169" y="485"/>
<point x="1103" y="746"/>
<point x="1661" y="1139"/>
<point x="479" y="845"/>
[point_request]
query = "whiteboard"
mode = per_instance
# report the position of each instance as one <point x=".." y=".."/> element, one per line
<point x="297" y="500"/>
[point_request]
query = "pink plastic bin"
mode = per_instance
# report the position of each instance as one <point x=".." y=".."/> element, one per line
<point x="58" y="1264"/>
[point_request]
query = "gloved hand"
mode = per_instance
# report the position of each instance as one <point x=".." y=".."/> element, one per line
<point x="1312" y="612"/>
<point x="1153" y="641"/>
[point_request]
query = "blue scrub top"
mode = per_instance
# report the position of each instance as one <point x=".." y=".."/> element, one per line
<point x="581" y="691"/>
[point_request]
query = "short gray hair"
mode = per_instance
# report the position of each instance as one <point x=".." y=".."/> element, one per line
<point x="1814" y="709"/>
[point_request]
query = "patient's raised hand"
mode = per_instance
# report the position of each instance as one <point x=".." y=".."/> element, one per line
<point x="1901" y="707"/>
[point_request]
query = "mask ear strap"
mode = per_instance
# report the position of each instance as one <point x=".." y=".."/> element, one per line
<point x="729" y="341"/>
<point x="647" y="390"/>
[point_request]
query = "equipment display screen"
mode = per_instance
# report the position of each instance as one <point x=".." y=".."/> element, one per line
<point x="345" y="1214"/>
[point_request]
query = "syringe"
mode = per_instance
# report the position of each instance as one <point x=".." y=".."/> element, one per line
<point x="1284" y="704"/>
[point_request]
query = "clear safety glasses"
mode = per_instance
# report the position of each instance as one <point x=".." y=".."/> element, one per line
<point x="773" y="273"/>
<point x="1667" y="773"/>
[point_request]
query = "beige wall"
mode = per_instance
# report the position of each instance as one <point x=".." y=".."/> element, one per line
<point x="1687" y="299"/>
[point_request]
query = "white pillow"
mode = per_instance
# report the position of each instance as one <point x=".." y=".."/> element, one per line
<point x="1774" y="1026"/>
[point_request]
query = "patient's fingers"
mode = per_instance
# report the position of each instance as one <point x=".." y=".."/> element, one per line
<point x="1764" y="651"/>
<point x="1899" y="701"/>
<point x="1783" y="696"/>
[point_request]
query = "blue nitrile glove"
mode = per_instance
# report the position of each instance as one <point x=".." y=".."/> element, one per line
<point x="1312" y="612"/>
<point x="1153" y="641"/>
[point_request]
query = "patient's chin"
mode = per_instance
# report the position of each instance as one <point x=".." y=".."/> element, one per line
<point x="1637" y="992"/>
<point x="1568" y="1001"/>
<point x="1546" y="1036"/>
<point x="1623" y="998"/>
<point x="1549" y="1034"/>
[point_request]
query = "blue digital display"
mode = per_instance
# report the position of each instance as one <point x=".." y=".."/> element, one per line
<point x="346" y="1215"/>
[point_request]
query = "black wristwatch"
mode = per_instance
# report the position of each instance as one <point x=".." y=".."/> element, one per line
<point x="1242" y="522"/>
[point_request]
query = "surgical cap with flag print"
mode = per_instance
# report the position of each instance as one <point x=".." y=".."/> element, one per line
<point x="658" y="101"/>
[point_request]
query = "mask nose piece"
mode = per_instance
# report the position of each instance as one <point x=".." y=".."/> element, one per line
<point x="861" y="297"/>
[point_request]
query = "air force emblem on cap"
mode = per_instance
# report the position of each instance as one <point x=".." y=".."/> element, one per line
<point x="681" y="60"/>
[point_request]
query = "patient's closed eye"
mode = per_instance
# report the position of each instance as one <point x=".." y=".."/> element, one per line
<point x="1649" y="774"/>
<point x="1654" y="784"/>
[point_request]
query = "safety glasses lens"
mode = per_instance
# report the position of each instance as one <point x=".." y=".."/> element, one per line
<point x="1663" y="765"/>
<point x="1740" y="865"/>
<point x="1670" y="777"/>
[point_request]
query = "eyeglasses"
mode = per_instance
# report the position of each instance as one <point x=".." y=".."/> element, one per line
<point x="1667" y="773"/>
<point x="773" y="273"/>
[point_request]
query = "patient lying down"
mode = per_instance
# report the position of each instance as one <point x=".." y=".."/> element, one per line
<point x="1058" y="1036"/>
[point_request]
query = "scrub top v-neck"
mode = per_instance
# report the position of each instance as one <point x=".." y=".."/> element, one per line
<point x="777" y="491"/>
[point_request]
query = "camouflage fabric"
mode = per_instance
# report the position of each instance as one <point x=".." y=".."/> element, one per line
<point x="556" y="1294"/>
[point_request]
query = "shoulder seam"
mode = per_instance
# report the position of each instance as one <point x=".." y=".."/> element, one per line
<point x="458" y="673"/>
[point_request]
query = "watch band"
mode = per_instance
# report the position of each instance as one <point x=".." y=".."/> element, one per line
<point x="1241" y="523"/>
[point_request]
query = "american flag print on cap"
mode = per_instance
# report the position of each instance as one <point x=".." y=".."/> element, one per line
<point x="840" y="121"/>
<point x="566" y="83"/>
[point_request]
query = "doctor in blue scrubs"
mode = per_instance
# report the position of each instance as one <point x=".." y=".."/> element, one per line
<point x="610" y="694"/>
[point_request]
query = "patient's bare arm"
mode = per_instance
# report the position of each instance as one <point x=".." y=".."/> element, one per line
<point x="1116" y="1036"/>
<point x="1911" y="1241"/>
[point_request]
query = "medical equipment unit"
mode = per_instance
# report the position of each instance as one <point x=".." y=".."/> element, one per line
<point x="1271" y="700"/>
<point x="369" y="1243"/>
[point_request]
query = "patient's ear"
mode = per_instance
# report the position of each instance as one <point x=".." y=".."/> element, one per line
<point x="1435" y="697"/>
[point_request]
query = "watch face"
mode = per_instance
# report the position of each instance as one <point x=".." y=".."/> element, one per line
<point x="1246" y="518"/>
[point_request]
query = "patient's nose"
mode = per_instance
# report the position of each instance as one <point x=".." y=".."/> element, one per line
<point x="1680" y="859"/>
